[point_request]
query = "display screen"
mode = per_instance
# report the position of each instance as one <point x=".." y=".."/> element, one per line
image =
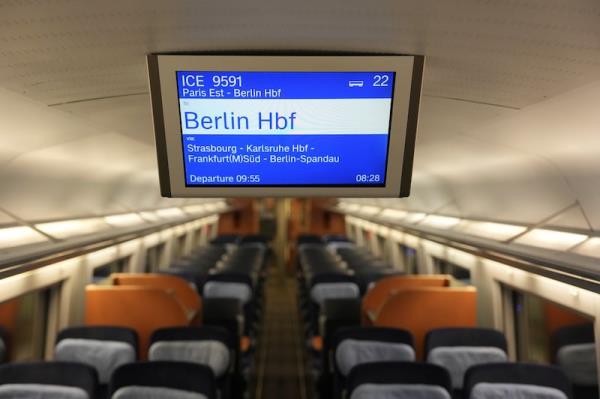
<point x="285" y="128"/>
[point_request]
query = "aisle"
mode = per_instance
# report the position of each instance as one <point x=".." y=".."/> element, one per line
<point x="280" y="369"/>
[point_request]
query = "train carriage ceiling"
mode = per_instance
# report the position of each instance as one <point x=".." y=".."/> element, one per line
<point x="509" y="122"/>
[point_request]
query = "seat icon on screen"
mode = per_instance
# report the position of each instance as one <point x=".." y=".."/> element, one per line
<point x="356" y="83"/>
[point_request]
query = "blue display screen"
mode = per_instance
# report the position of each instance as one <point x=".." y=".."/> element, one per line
<point x="285" y="128"/>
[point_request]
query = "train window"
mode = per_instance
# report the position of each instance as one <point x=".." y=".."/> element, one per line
<point x="25" y="321"/>
<point x="101" y="273"/>
<point x="381" y="247"/>
<point x="410" y="259"/>
<point x="153" y="258"/>
<point x="180" y="246"/>
<point x="461" y="275"/>
<point x="546" y="332"/>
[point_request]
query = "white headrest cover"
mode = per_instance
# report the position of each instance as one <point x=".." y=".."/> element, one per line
<point x="457" y="359"/>
<point x="221" y="289"/>
<point x="139" y="392"/>
<point x="399" y="391"/>
<point x="352" y="352"/>
<point x="579" y="363"/>
<point x="104" y="356"/>
<point x="487" y="390"/>
<point x="41" y="391"/>
<point x="323" y="291"/>
<point x="213" y="354"/>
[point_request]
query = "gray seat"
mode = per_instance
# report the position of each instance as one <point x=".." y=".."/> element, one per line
<point x="104" y="356"/>
<point x="458" y="359"/>
<point x="579" y="363"/>
<point x="41" y="391"/>
<point x="352" y="352"/>
<point x="211" y="353"/>
<point x="458" y="349"/>
<point x="143" y="392"/>
<point x="320" y="292"/>
<point x="485" y="390"/>
<point x="223" y="289"/>
<point x="399" y="391"/>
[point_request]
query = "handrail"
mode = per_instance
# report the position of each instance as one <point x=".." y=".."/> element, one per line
<point x="26" y="259"/>
<point x="574" y="269"/>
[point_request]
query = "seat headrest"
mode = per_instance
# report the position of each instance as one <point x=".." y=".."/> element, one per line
<point x="398" y="373"/>
<point x="201" y="333"/>
<point x="17" y="391"/>
<point x="213" y="354"/>
<point x="399" y="391"/>
<point x="66" y="374"/>
<point x="486" y="390"/>
<point x="579" y="363"/>
<point x="220" y="289"/>
<point x="140" y="392"/>
<point x="458" y="359"/>
<point x="102" y="333"/>
<point x="517" y="373"/>
<point x="183" y="376"/>
<point x="352" y="352"/>
<point x="319" y="293"/>
<point x="104" y="356"/>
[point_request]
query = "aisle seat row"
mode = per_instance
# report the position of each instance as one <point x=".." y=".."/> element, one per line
<point x="69" y="380"/>
<point x="202" y="310"/>
<point x="403" y="320"/>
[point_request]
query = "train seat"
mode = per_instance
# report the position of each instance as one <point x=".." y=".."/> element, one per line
<point x="50" y="380"/>
<point x="458" y="349"/>
<point x="233" y="286"/>
<point x="575" y="352"/>
<point x="327" y="287"/>
<point x="375" y="298"/>
<point x="143" y="309"/>
<point x="180" y="288"/>
<point x="420" y="310"/>
<point x="353" y="346"/>
<point x="398" y="380"/>
<point x="105" y="348"/>
<point x="164" y="380"/>
<point x="211" y="346"/>
<point x="516" y="381"/>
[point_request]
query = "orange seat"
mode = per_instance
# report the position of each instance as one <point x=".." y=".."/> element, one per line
<point x="180" y="288"/>
<point x="420" y="310"/>
<point x="386" y="287"/>
<point x="144" y="309"/>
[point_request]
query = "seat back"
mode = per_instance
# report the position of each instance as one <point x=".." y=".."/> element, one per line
<point x="103" y="348"/>
<point x="420" y="310"/>
<point x="374" y="299"/>
<point x="575" y="352"/>
<point x="165" y="380"/>
<point x="226" y="289"/>
<point x="458" y="349"/>
<point x="398" y="380"/>
<point x="51" y="380"/>
<point x="321" y="292"/>
<point x="179" y="287"/>
<point x="143" y="309"/>
<point x="516" y="380"/>
<point x="357" y="345"/>
<point x="208" y="345"/>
